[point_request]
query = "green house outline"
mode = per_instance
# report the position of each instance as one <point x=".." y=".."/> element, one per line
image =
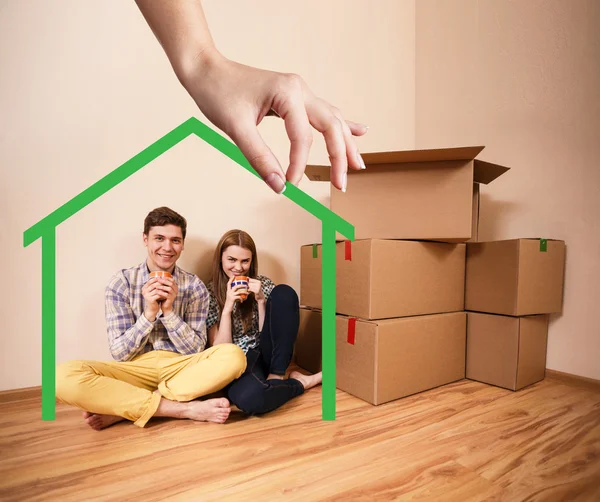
<point x="46" y="230"/>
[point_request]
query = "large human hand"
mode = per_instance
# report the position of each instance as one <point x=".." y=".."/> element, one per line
<point x="236" y="98"/>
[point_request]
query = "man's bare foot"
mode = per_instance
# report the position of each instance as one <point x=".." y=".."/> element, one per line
<point x="211" y="410"/>
<point x="99" y="422"/>
<point x="308" y="381"/>
<point x="273" y="376"/>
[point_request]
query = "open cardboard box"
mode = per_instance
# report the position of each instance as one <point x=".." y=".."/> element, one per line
<point x="413" y="194"/>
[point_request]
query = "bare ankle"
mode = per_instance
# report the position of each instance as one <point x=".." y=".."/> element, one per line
<point x="307" y="381"/>
<point x="182" y="410"/>
<point x="173" y="409"/>
<point x="273" y="376"/>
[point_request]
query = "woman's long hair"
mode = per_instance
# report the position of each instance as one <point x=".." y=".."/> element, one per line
<point x="220" y="279"/>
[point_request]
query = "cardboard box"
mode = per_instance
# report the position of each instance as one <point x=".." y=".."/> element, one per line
<point x="416" y="194"/>
<point x="387" y="278"/>
<point x="388" y="359"/>
<point x="509" y="352"/>
<point x="308" y="349"/>
<point x="515" y="277"/>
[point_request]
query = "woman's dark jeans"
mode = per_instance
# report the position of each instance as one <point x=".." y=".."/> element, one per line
<point x="252" y="392"/>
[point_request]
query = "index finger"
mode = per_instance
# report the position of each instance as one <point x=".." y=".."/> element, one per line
<point x="324" y="120"/>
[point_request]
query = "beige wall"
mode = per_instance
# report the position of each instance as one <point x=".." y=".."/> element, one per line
<point x="85" y="86"/>
<point x="522" y="78"/>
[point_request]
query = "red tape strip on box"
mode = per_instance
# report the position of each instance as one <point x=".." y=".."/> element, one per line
<point x="351" y="330"/>
<point x="348" y="251"/>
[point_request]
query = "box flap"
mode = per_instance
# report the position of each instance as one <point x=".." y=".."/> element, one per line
<point x="486" y="172"/>
<point x="322" y="173"/>
<point x="431" y="155"/>
<point x="475" y="214"/>
<point x="318" y="173"/>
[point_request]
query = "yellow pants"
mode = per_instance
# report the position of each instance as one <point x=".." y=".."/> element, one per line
<point x="127" y="388"/>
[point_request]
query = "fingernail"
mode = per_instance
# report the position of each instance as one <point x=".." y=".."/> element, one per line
<point x="361" y="161"/>
<point x="344" y="182"/>
<point x="276" y="182"/>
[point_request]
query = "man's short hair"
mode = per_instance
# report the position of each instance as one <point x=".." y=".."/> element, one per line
<point x="162" y="216"/>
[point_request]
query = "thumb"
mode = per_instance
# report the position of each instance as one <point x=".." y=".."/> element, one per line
<point x="357" y="129"/>
<point x="260" y="156"/>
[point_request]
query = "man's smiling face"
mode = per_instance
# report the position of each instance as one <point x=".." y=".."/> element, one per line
<point x="165" y="245"/>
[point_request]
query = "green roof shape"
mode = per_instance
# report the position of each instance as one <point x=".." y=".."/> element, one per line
<point x="46" y="230"/>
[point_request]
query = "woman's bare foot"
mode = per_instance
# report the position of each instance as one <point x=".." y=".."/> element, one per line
<point x="308" y="381"/>
<point x="99" y="422"/>
<point x="211" y="410"/>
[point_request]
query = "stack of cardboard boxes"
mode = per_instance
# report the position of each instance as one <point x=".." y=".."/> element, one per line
<point x="511" y="287"/>
<point x="401" y="325"/>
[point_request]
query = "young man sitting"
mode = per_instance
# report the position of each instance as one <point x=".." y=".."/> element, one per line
<point x="157" y="335"/>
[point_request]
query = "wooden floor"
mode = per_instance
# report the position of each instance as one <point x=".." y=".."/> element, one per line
<point x="464" y="441"/>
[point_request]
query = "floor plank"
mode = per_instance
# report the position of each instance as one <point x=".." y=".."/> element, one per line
<point x="464" y="441"/>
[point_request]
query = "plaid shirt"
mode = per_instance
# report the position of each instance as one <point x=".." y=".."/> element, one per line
<point x="244" y="340"/>
<point x="131" y="334"/>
